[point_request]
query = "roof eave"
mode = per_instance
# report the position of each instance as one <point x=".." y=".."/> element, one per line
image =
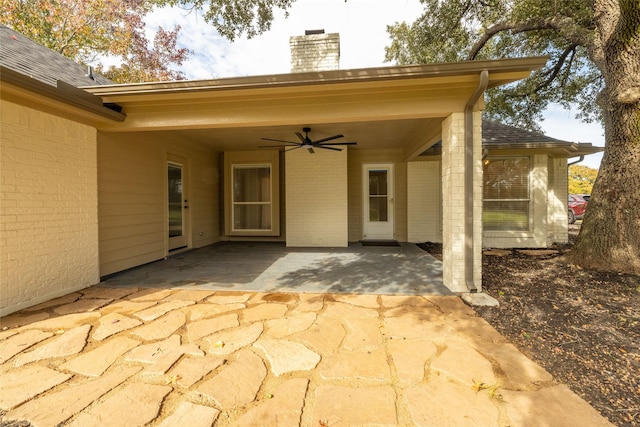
<point x="512" y="69"/>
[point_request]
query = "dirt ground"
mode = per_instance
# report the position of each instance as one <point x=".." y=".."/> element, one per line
<point x="582" y="326"/>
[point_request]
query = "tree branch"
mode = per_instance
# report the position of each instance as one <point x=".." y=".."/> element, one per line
<point x="564" y="25"/>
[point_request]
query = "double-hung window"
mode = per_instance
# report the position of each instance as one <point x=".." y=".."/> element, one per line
<point x="251" y="197"/>
<point x="251" y="193"/>
<point x="506" y="194"/>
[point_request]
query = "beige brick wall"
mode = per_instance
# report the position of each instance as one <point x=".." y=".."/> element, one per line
<point x="48" y="207"/>
<point x="453" y="214"/>
<point x="316" y="198"/>
<point x="557" y="209"/>
<point x="424" y="207"/>
<point x="132" y="196"/>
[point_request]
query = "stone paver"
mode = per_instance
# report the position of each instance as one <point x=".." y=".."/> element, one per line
<point x="183" y="356"/>
<point x="24" y="384"/>
<point x="68" y="343"/>
<point x="192" y="415"/>
<point x="189" y="371"/>
<point x="356" y="365"/>
<point x="238" y="383"/>
<point x="557" y="406"/>
<point x="194" y="295"/>
<point x="20" y="342"/>
<point x="156" y="311"/>
<point x="98" y="360"/>
<point x="287" y="356"/>
<point x="65" y="299"/>
<point x="204" y="310"/>
<point x="53" y="409"/>
<point x="280" y="328"/>
<point x="442" y="402"/>
<point x="161" y="328"/>
<point x="82" y="305"/>
<point x="161" y="355"/>
<point x="264" y="312"/>
<point x="135" y="404"/>
<point x="113" y="323"/>
<point x="464" y="364"/>
<point x="202" y="328"/>
<point x="231" y="340"/>
<point x="64" y="322"/>
<point x="282" y="408"/>
<point x="348" y="406"/>
<point x="410" y="358"/>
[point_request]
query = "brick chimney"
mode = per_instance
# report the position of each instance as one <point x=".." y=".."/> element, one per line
<point x="315" y="51"/>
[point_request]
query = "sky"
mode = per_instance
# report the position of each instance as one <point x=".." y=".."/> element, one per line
<point x="362" y="27"/>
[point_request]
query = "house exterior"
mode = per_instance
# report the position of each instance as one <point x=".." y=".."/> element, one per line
<point x="108" y="177"/>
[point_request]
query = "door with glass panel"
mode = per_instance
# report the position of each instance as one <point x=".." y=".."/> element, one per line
<point x="378" y="210"/>
<point x="177" y="203"/>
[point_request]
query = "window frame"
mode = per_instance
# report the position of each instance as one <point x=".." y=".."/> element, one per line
<point x="234" y="203"/>
<point x="247" y="160"/>
<point x="528" y="199"/>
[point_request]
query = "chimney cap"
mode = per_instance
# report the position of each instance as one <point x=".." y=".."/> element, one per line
<point x="311" y="32"/>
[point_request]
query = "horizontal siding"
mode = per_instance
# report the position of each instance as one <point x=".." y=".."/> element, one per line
<point x="132" y="197"/>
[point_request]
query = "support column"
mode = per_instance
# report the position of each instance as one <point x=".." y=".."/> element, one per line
<point x="453" y="207"/>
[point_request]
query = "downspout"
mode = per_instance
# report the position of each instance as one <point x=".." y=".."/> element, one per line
<point x="469" y="246"/>
<point x="581" y="158"/>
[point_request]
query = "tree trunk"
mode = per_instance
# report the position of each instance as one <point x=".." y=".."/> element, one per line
<point x="609" y="238"/>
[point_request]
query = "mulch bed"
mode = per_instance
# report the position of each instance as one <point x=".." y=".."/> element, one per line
<point x="582" y="326"/>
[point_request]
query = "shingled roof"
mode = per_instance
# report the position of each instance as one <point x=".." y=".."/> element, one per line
<point x="23" y="55"/>
<point x="498" y="133"/>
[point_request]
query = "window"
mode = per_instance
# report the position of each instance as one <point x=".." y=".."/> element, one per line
<point x="251" y="198"/>
<point x="506" y="194"/>
<point x="251" y="193"/>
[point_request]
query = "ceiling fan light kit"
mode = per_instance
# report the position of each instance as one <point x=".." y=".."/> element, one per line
<point x="308" y="143"/>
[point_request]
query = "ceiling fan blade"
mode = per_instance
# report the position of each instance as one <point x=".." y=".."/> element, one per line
<point x="277" y="146"/>
<point x="294" y="148"/>
<point x="302" y="138"/>
<point x="279" y="140"/>
<point x="339" y="143"/>
<point x="329" y="138"/>
<point x="328" y="148"/>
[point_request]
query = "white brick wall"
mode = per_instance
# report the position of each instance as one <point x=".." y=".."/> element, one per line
<point x="48" y="207"/>
<point x="316" y="198"/>
<point x="453" y="214"/>
<point x="424" y="206"/>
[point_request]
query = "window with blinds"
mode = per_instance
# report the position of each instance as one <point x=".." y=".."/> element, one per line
<point x="506" y="194"/>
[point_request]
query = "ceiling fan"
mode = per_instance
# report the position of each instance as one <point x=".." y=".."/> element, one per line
<point x="306" y="142"/>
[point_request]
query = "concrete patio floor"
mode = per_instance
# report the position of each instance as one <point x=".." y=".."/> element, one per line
<point x="272" y="267"/>
<point x="110" y="356"/>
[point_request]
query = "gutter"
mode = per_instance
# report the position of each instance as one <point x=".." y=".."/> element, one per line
<point x="64" y="93"/>
<point x="469" y="245"/>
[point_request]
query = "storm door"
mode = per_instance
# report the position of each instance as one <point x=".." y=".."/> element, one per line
<point x="177" y="203"/>
<point x="378" y="201"/>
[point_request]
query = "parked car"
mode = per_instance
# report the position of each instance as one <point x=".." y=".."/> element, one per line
<point x="585" y="197"/>
<point x="577" y="206"/>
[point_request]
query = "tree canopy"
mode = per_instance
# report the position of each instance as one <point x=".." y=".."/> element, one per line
<point x="581" y="179"/>
<point x="87" y="31"/>
<point x="594" y="61"/>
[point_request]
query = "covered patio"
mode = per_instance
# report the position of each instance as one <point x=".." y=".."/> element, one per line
<point x="404" y="269"/>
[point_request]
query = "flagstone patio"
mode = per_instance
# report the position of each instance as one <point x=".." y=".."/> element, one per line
<point x="134" y="356"/>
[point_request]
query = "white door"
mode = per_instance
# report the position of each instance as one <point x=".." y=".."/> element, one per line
<point x="177" y="203"/>
<point x="378" y="210"/>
